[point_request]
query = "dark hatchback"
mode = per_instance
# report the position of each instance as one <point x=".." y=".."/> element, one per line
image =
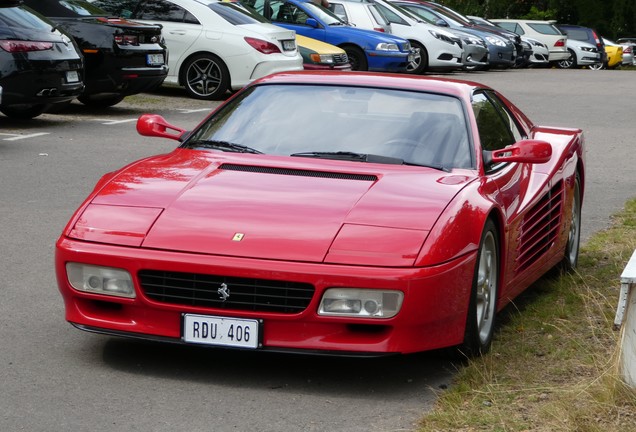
<point x="122" y="57"/>
<point x="39" y="65"/>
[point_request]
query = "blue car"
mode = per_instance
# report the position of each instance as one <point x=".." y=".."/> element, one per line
<point x="366" y="49"/>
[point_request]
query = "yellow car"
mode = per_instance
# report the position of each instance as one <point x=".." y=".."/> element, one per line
<point x="614" y="54"/>
<point x="318" y="55"/>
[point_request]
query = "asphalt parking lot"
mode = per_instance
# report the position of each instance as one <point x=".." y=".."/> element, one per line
<point x="56" y="378"/>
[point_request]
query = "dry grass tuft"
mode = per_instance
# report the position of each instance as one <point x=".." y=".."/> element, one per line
<point x="554" y="362"/>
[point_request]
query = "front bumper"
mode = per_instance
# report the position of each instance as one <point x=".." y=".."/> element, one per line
<point x="387" y="61"/>
<point x="432" y="315"/>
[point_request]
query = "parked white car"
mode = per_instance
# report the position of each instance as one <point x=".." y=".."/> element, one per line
<point x="436" y="48"/>
<point x="540" y="53"/>
<point x="214" y="47"/>
<point x="544" y="31"/>
<point x="581" y="54"/>
<point x="363" y="14"/>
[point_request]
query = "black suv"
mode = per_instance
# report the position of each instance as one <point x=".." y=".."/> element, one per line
<point x="121" y="57"/>
<point x="585" y="34"/>
<point x="40" y="65"/>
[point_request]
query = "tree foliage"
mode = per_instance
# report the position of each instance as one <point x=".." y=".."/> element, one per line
<point x="611" y="18"/>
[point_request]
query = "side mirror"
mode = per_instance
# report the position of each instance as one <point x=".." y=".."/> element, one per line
<point x="311" y="22"/>
<point x="524" y="151"/>
<point x="154" y="125"/>
<point x="440" y="22"/>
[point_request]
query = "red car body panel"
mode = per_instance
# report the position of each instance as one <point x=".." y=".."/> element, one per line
<point x="412" y="229"/>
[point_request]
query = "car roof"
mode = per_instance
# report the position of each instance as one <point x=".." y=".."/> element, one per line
<point x="442" y="85"/>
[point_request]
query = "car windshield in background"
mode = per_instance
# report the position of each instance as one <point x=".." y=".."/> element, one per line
<point x="70" y="8"/>
<point x="321" y="121"/>
<point x="547" y="29"/>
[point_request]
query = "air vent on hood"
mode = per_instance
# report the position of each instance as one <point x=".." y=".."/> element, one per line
<point x="300" y="173"/>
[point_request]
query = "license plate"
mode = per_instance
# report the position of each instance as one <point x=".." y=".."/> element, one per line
<point x="289" y="45"/>
<point x="72" y="76"/>
<point x="220" y="331"/>
<point x="154" y="59"/>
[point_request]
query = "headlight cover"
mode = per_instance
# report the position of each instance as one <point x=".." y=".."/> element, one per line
<point x="496" y="41"/>
<point x="100" y="280"/>
<point x="322" y="58"/>
<point x="361" y="303"/>
<point x="385" y="46"/>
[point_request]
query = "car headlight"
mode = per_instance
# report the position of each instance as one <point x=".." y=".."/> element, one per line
<point x="385" y="46"/>
<point x="589" y="49"/>
<point x="322" y="58"/>
<point x="100" y="280"/>
<point x="442" y="37"/>
<point x="496" y="41"/>
<point x="362" y="303"/>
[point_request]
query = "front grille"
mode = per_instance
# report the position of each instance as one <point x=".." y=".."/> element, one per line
<point x="245" y="294"/>
<point x="340" y="58"/>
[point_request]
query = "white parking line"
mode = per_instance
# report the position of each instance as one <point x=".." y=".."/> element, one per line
<point x="15" y="137"/>
<point x="114" y="122"/>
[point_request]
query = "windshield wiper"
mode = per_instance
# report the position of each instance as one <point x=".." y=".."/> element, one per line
<point x="223" y="146"/>
<point x="363" y="157"/>
<point x="359" y="157"/>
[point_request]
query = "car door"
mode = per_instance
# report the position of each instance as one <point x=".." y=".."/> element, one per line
<point x="181" y="28"/>
<point x="529" y="206"/>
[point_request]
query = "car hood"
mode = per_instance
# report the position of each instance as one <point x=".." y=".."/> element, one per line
<point x="270" y="207"/>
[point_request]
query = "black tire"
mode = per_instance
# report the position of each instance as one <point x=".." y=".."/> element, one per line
<point x="482" y="308"/>
<point x="419" y="65"/>
<point x="23" y="112"/>
<point x="205" y="77"/>
<point x="357" y="58"/>
<point x="101" y="100"/>
<point x="569" y="63"/>
<point x="571" y="257"/>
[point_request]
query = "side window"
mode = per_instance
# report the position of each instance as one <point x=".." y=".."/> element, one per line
<point x="496" y="127"/>
<point x="391" y="16"/>
<point x="339" y="10"/>
<point x="163" y="11"/>
<point x="290" y="13"/>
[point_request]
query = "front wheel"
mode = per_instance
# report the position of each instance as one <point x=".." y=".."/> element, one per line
<point x="205" y="77"/>
<point x="597" y="66"/>
<point x="482" y="308"/>
<point x="357" y="58"/>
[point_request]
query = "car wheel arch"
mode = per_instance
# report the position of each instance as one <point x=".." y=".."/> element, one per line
<point x="467" y="237"/>
<point x="181" y="70"/>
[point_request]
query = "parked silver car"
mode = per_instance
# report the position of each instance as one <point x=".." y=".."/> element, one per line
<point x="581" y="54"/>
<point x="540" y="52"/>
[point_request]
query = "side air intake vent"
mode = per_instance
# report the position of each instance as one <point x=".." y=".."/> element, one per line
<point x="540" y="227"/>
<point x="295" y="172"/>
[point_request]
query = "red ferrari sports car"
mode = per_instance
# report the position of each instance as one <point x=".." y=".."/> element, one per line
<point x="342" y="213"/>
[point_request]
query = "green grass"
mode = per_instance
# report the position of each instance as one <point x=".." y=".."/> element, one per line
<point x="553" y="365"/>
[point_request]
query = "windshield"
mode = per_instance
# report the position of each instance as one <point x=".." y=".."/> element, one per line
<point x="317" y="120"/>
<point x="65" y="8"/>
<point x="234" y="14"/>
